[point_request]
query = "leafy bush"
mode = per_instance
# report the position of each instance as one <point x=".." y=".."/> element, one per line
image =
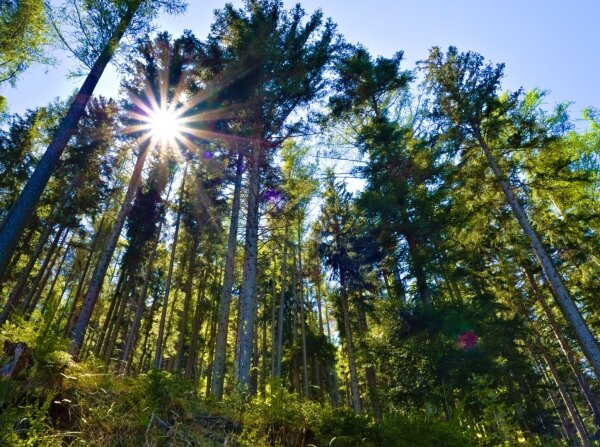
<point x="49" y="350"/>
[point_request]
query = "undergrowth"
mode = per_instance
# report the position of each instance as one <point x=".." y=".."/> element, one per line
<point x="58" y="402"/>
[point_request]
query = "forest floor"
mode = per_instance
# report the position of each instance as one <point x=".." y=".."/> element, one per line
<point x="63" y="403"/>
<point x="49" y="400"/>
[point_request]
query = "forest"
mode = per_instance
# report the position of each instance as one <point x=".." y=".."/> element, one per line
<point x="274" y="237"/>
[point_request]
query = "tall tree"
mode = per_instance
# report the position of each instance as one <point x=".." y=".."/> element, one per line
<point x="284" y="57"/>
<point x="465" y="89"/>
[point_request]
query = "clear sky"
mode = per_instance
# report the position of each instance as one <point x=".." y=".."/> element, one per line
<point x="551" y="44"/>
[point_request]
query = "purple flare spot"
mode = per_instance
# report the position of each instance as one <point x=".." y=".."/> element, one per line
<point x="275" y="198"/>
<point x="466" y="340"/>
<point x="271" y="195"/>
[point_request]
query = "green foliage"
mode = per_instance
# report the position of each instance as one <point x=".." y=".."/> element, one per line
<point x="345" y="429"/>
<point x="283" y="419"/>
<point x="162" y="393"/>
<point x="23" y="416"/>
<point x="25" y="402"/>
<point x="24" y="31"/>
<point x="49" y="350"/>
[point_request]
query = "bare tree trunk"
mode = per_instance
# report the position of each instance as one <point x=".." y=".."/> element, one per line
<point x="302" y="322"/>
<point x="255" y="360"/>
<point x="281" y="314"/>
<point x="115" y="326"/>
<point x="169" y="326"/>
<point x="566" y="397"/>
<point x="54" y="281"/>
<point x="114" y="303"/>
<point x="319" y="305"/>
<point x="95" y="287"/>
<point x="19" y="287"/>
<point x="570" y="433"/>
<point x="145" y="357"/>
<point x="139" y="311"/>
<point x="581" y="432"/>
<point x="369" y="370"/>
<point x="349" y="345"/>
<point x="211" y="346"/>
<point x="273" y="319"/>
<point x="262" y="386"/>
<point x="51" y="306"/>
<point x="86" y="267"/>
<point x="14" y="223"/>
<point x="584" y="387"/>
<point x="165" y="303"/>
<point x="218" y="370"/>
<point x="26" y="242"/>
<point x="248" y="293"/>
<point x="196" y="324"/>
<point x="82" y="279"/>
<point x="45" y="271"/>
<point x="186" y="303"/>
<point x="140" y="305"/>
<point x="587" y="341"/>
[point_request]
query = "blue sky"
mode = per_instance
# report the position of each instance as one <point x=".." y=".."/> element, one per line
<point x="551" y="44"/>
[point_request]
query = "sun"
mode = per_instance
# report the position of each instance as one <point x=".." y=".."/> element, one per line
<point x="164" y="125"/>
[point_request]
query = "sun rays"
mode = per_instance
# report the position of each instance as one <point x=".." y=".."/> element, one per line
<point x="165" y="115"/>
<point x="175" y="123"/>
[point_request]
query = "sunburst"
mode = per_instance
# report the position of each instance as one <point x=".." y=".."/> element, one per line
<point x="168" y="118"/>
<point x="163" y="125"/>
<point x="160" y="121"/>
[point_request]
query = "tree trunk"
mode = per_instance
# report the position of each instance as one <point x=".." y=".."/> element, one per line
<point x="281" y="313"/>
<point x="582" y="382"/>
<point x="145" y="358"/>
<point x="16" y="292"/>
<point x="51" y="306"/>
<point x="581" y="432"/>
<point x="211" y="346"/>
<point x="273" y="318"/>
<point x="165" y="303"/>
<point x="115" y="325"/>
<point x="319" y="305"/>
<point x="14" y="223"/>
<point x="54" y="281"/>
<point x="186" y="303"/>
<point x="140" y="305"/>
<point x="349" y="345"/>
<point x="262" y="385"/>
<point x="587" y="341"/>
<point x="196" y="324"/>
<point x="114" y="303"/>
<point x="25" y="244"/>
<point x="218" y="370"/>
<point x="302" y="322"/>
<point x="137" y="318"/>
<point x="97" y="281"/>
<point x="45" y="270"/>
<point x="369" y="370"/>
<point x="86" y="267"/>
<point x="418" y="268"/>
<point x="248" y="293"/>
<point x="566" y="397"/>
